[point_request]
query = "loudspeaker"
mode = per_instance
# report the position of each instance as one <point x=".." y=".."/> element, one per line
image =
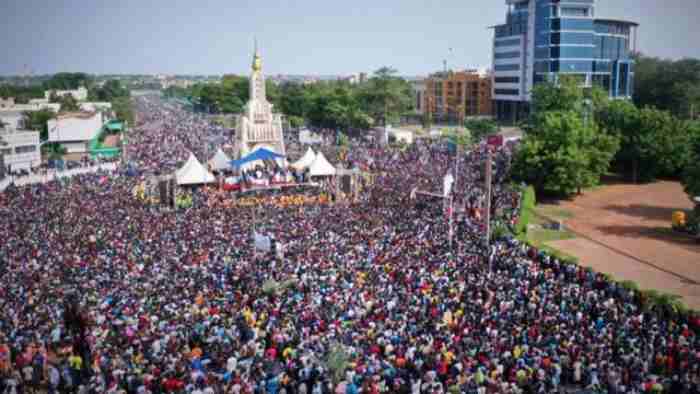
<point x="163" y="192"/>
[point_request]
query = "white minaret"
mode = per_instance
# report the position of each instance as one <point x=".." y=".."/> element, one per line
<point x="258" y="126"/>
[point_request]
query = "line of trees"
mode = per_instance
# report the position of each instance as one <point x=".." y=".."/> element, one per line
<point x="331" y="104"/>
<point x="670" y="85"/>
<point x="576" y="135"/>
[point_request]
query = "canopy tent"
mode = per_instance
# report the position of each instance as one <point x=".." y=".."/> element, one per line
<point x="305" y="160"/>
<point x="258" y="154"/>
<point x="220" y="161"/>
<point x="321" y="166"/>
<point x="193" y="173"/>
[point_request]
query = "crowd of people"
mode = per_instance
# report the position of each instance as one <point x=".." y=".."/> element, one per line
<point x="104" y="294"/>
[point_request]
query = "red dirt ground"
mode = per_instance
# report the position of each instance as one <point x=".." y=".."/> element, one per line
<point x="621" y="232"/>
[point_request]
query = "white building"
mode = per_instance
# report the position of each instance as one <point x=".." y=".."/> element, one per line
<point x="80" y="94"/>
<point x="7" y="102"/>
<point x="258" y="127"/>
<point x="95" y="106"/>
<point x="74" y="131"/>
<point x="22" y="150"/>
<point x="12" y="118"/>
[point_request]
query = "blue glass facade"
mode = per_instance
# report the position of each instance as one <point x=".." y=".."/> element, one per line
<point x="569" y="40"/>
<point x="543" y="39"/>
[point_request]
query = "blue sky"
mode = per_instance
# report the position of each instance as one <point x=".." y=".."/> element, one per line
<point x="296" y="37"/>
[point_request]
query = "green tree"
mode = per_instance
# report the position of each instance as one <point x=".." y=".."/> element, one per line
<point x="68" y="102"/>
<point x="668" y="85"/>
<point x="481" y="128"/>
<point x="691" y="174"/>
<point x="21" y="94"/>
<point x="109" y="91"/>
<point x="459" y="137"/>
<point x="68" y="81"/>
<point x="564" y="155"/>
<point x="385" y="97"/>
<point x="123" y="109"/>
<point x="38" y="120"/>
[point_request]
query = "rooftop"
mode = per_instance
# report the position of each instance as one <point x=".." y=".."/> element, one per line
<point x="612" y="20"/>
<point x="79" y="115"/>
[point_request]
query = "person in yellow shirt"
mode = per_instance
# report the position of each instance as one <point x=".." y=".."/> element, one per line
<point x="75" y="362"/>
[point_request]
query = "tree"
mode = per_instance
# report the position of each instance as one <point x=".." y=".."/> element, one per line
<point x="109" y="91"/>
<point x="481" y="128"/>
<point x="564" y="156"/>
<point x="691" y="174"/>
<point x="668" y="85"/>
<point x="563" y="150"/>
<point x="38" y="120"/>
<point x="67" y="101"/>
<point x="68" y="81"/>
<point x="123" y="109"/>
<point x="459" y="137"/>
<point x="622" y="118"/>
<point x="385" y="97"/>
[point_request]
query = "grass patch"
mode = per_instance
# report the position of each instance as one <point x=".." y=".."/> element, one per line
<point x="540" y="237"/>
<point x="553" y="212"/>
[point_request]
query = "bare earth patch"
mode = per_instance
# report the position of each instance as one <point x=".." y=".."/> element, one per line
<point x="618" y="228"/>
<point x="111" y="141"/>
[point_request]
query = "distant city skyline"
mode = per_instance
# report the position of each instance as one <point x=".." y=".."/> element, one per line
<point x="311" y="38"/>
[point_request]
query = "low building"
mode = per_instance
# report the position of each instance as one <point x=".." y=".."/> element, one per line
<point x="80" y="94"/>
<point x="7" y="102"/>
<point x="12" y="118"/>
<point x="455" y="95"/>
<point x="21" y="149"/>
<point x="74" y="131"/>
<point x="95" y="106"/>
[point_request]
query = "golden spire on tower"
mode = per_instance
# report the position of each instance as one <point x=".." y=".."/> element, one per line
<point x="257" y="60"/>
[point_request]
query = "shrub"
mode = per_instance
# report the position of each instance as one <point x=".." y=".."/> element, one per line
<point x="526" y="206"/>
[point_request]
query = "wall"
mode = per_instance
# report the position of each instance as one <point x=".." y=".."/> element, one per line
<point x="22" y="139"/>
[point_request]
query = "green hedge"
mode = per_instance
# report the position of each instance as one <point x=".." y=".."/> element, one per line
<point x="527" y="205"/>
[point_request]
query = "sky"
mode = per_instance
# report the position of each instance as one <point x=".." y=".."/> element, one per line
<point x="319" y="37"/>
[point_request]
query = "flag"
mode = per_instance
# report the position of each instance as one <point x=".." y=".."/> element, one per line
<point x="447" y="182"/>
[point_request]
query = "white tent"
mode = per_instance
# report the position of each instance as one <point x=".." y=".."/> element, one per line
<point x="220" y="161"/>
<point x="193" y="173"/>
<point x="321" y="166"/>
<point x="305" y="160"/>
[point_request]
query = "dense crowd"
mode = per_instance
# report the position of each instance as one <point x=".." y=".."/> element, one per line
<point x="103" y="293"/>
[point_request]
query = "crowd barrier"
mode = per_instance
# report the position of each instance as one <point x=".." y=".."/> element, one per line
<point x="51" y="175"/>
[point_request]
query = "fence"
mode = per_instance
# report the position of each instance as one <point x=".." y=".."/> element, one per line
<point x="53" y="174"/>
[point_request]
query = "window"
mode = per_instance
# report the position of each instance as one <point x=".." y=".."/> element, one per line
<point x="507" y="92"/>
<point x="541" y="67"/>
<point x="577" y="38"/>
<point x="572" y="52"/>
<point x="507" y="79"/>
<point x="507" y="43"/>
<point x="506" y="55"/>
<point x="572" y="66"/>
<point x="506" y="67"/>
<point x="572" y="24"/>
<point x="25" y="149"/>
<point x="573" y="11"/>
<point x="6" y="151"/>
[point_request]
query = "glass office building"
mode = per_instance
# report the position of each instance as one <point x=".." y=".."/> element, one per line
<point x="543" y="39"/>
